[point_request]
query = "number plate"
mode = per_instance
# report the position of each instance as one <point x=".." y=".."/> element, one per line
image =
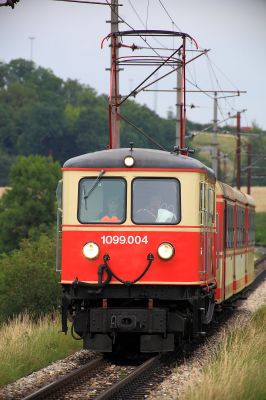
<point x="121" y="239"/>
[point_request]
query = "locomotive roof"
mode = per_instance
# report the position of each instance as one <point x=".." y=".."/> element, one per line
<point x="144" y="158"/>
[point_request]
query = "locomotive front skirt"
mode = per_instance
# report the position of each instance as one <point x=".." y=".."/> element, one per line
<point x="145" y="248"/>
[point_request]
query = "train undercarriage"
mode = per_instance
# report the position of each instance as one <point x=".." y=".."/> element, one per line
<point x="141" y="317"/>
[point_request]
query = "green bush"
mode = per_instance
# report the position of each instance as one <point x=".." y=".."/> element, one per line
<point x="28" y="281"/>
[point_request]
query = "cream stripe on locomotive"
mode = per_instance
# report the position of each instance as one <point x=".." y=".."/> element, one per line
<point x="189" y="201"/>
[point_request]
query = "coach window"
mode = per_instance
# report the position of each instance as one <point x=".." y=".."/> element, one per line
<point x="240" y="227"/>
<point x="156" y="201"/>
<point x="102" y="201"/>
<point x="251" y="227"/>
<point x="230" y="226"/>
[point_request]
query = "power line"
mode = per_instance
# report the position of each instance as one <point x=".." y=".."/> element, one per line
<point x="86" y="2"/>
<point x="136" y="13"/>
<point x="142" y="132"/>
<point x="145" y="26"/>
<point x="171" y="19"/>
<point x="208" y="59"/>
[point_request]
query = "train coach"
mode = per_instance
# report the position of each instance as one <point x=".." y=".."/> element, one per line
<point x="149" y="243"/>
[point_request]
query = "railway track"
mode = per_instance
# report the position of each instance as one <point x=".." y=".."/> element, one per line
<point x="102" y="379"/>
<point x="93" y="381"/>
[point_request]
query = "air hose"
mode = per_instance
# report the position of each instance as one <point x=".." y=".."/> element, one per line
<point x="150" y="258"/>
<point x="97" y="287"/>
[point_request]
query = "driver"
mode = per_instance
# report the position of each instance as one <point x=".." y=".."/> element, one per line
<point x="112" y="212"/>
<point x="149" y="213"/>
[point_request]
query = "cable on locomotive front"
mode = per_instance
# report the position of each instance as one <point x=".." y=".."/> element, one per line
<point x="106" y="268"/>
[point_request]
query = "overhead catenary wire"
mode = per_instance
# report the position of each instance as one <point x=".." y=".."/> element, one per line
<point x="188" y="71"/>
<point x="209" y="62"/>
<point x="142" y="132"/>
<point x="86" y="2"/>
<point x="163" y="47"/>
<point x="218" y="85"/>
<point x="171" y="19"/>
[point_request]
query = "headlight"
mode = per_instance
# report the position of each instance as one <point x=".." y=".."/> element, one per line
<point x="166" y="251"/>
<point x="129" y="161"/>
<point x="91" y="250"/>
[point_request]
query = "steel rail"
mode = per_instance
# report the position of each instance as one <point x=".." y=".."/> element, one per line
<point x="64" y="380"/>
<point x="259" y="270"/>
<point x="129" y="379"/>
<point x="260" y="260"/>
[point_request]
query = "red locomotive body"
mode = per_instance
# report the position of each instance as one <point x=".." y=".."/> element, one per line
<point x="144" y="247"/>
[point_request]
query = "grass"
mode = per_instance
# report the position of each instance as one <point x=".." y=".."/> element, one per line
<point x="227" y="143"/>
<point x="26" y="346"/>
<point x="260" y="224"/>
<point x="237" y="369"/>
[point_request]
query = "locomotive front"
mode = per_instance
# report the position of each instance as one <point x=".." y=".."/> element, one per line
<point x="136" y="248"/>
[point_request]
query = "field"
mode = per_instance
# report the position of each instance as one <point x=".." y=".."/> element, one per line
<point x="2" y="189"/>
<point x="259" y="195"/>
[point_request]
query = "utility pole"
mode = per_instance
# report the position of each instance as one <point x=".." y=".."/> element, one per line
<point x="155" y="94"/>
<point x="231" y="93"/>
<point x="214" y="136"/>
<point x="179" y="105"/>
<point x="32" y="38"/>
<point x="249" y="152"/>
<point x="114" y="79"/>
<point x="225" y="159"/>
<point x="238" y="150"/>
<point x="219" y="155"/>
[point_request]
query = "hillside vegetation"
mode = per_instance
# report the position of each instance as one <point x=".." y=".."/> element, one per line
<point x="43" y="114"/>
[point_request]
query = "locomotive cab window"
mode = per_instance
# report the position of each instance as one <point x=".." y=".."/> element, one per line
<point x="102" y="201"/>
<point x="156" y="201"/>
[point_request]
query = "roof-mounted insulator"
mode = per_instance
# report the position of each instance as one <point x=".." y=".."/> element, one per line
<point x="185" y="150"/>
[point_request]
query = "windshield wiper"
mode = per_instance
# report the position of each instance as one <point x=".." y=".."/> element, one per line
<point x="85" y="196"/>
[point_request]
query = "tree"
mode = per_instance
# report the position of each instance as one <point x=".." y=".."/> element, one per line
<point x="28" y="208"/>
<point x="42" y="129"/>
<point x="6" y="162"/>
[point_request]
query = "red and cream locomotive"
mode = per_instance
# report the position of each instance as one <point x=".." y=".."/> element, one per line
<point x="150" y="244"/>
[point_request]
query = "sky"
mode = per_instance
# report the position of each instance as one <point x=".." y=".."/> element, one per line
<point x="66" y="38"/>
